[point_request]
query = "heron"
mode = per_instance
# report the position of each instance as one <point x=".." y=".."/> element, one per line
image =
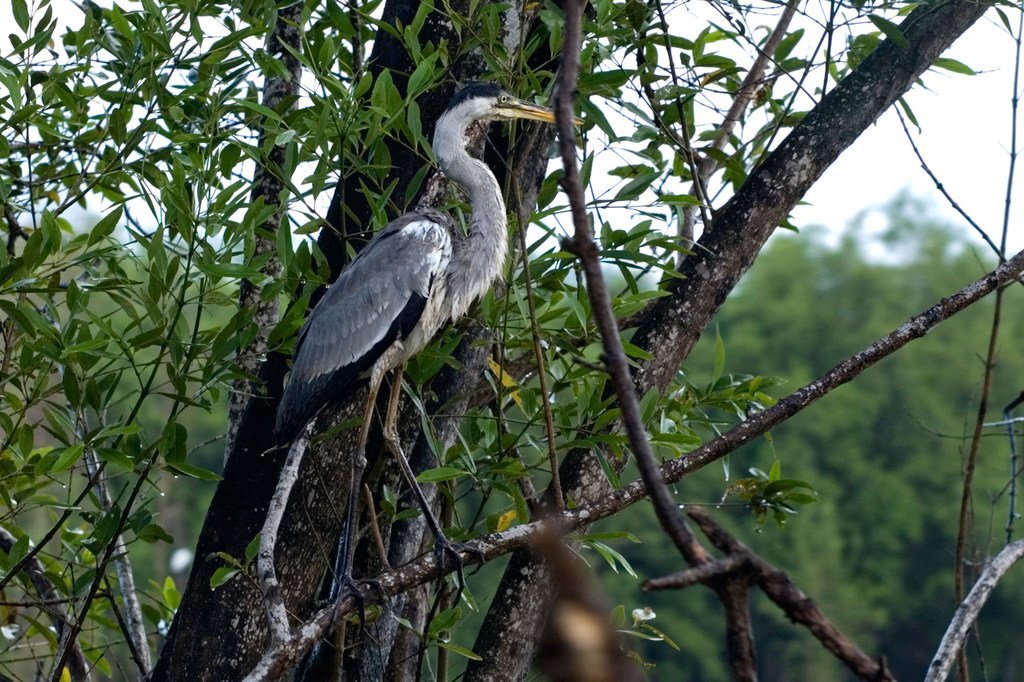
<point x="415" y="276"/>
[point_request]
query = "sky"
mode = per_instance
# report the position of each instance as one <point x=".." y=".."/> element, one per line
<point x="965" y="139"/>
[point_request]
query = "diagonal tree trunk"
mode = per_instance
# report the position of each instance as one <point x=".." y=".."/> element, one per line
<point x="670" y="329"/>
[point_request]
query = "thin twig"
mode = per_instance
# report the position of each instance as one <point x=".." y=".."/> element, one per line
<point x="697" y="574"/>
<point x="707" y="164"/>
<point x="965" y="524"/>
<point x="583" y="245"/>
<point x="371" y="508"/>
<point x="538" y="357"/>
<point x="135" y="627"/>
<point x="1011" y="514"/>
<point x="942" y="188"/>
<point x="142" y="661"/>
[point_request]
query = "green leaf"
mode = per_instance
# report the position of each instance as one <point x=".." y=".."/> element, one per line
<point x="252" y="549"/>
<point x="445" y="620"/>
<point x="193" y="471"/>
<point x="420" y="78"/>
<point x="170" y="595"/>
<point x="221" y="576"/>
<point x="679" y="200"/>
<point x="440" y="474"/>
<point x="954" y="65"/>
<point x="67" y="458"/>
<point x="461" y="651"/>
<point x="154" y="533"/>
<point x="20" y="10"/>
<point x="719" y="354"/>
<point x="891" y="30"/>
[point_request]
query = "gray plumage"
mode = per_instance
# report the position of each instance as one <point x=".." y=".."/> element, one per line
<point x="414" y="276"/>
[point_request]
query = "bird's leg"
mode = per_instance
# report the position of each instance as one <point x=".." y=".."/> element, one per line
<point x="442" y="545"/>
<point x="346" y="546"/>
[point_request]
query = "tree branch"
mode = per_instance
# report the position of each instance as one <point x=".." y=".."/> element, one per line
<point x="583" y="245"/>
<point x="277" y="614"/>
<point x="794" y="603"/>
<point x="698" y="574"/>
<point x="967" y="613"/>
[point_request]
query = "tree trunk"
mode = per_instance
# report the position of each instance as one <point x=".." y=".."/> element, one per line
<point x="220" y="633"/>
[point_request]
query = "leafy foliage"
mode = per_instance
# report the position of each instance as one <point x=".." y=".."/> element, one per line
<point x="129" y="138"/>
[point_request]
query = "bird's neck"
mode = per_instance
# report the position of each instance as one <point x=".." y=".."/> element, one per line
<point x="482" y="255"/>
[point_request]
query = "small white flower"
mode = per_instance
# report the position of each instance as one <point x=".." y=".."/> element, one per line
<point x="10" y="632"/>
<point x="646" y="613"/>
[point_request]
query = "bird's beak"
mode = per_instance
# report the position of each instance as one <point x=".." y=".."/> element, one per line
<point x="533" y="112"/>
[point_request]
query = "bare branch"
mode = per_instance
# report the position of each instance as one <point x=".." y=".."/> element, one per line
<point x="797" y="606"/>
<point x="698" y="574"/>
<point x="967" y="613"/>
<point x="583" y="245"/>
<point x="273" y="597"/>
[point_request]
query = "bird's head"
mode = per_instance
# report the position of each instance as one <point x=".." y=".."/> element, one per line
<point x="481" y="101"/>
<point x="477" y="102"/>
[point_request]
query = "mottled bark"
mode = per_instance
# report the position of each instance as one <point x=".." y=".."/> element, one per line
<point x="725" y="251"/>
<point x="967" y="613"/>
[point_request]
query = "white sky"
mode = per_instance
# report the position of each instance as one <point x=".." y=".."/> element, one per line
<point x="965" y="139"/>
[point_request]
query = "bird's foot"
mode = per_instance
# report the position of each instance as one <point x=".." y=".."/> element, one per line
<point x="448" y="554"/>
<point x="347" y="587"/>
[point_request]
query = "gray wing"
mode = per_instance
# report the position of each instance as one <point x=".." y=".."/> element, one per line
<point x="378" y="299"/>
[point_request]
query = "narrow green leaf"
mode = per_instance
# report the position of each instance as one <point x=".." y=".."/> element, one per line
<point x="461" y="651"/>
<point x="221" y="576"/>
<point x="891" y="30"/>
<point x="193" y="471"/>
<point x="67" y="458"/>
<point x="440" y="474"/>
<point x="20" y="10"/>
<point x="954" y="65"/>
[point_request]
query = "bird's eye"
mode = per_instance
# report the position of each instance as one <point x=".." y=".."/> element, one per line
<point x="503" y="99"/>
